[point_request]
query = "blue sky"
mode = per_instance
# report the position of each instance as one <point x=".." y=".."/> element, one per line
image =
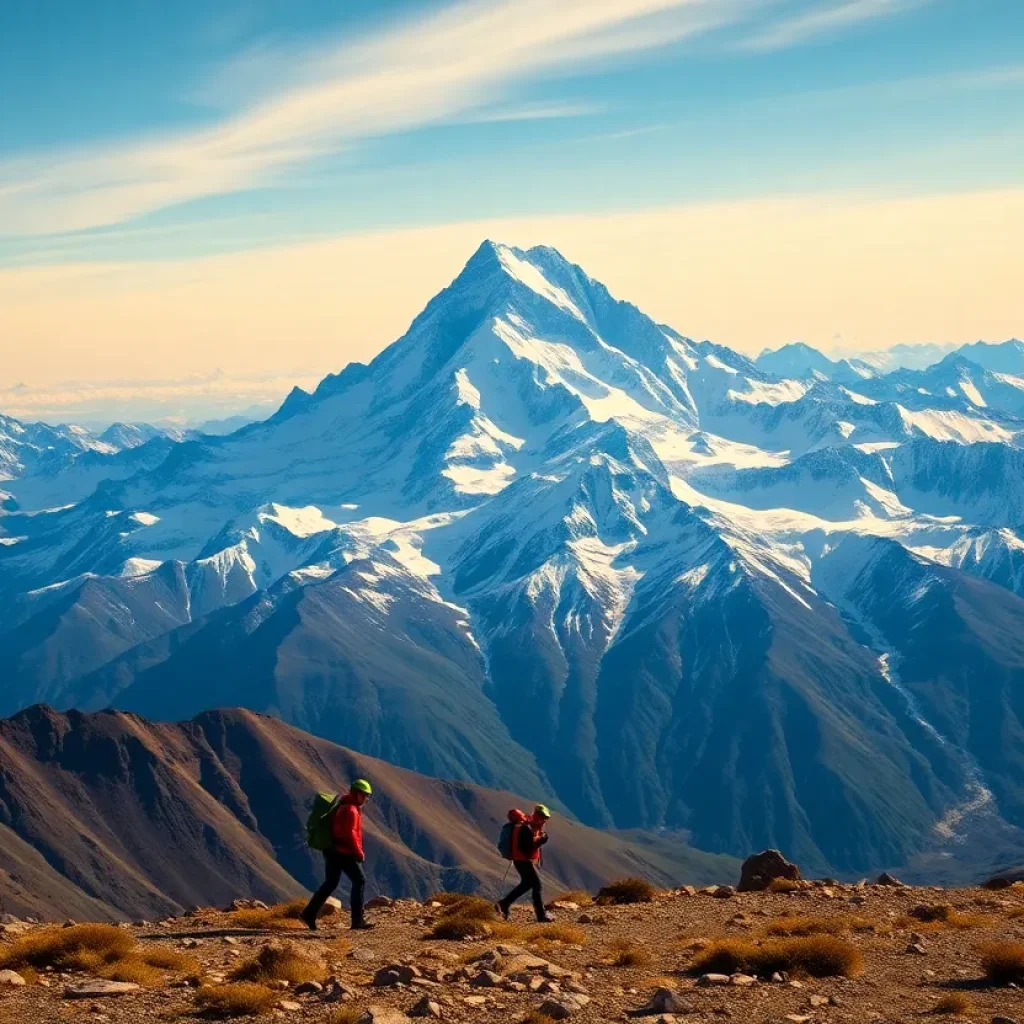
<point x="713" y="99"/>
<point x="142" y="140"/>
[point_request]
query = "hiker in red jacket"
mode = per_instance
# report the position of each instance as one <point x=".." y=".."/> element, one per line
<point x="528" y="837"/>
<point x="346" y="858"/>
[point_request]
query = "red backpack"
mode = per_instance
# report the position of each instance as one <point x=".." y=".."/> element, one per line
<point x="506" y="838"/>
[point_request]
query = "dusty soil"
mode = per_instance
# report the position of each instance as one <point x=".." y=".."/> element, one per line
<point x="895" y="985"/>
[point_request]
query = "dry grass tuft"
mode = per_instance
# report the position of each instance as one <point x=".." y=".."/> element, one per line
<point x="623" y="953"/>
<point x="933" y="917"/>
<point x="347" y="1015"/>
<point x="1003" y="961"/>
<point x="626" y="890"/>
<point x="536" y="1017"/>
<point x="84" y="947"/>
<point x="170" y="960"/>
<point x="456" y="928"/>
<point x="783" y="885"/>
<point x="135" y="970"/>
<point x="470" y="906"/>
<point x="953" y="1003"/>
<point x="280" y="917"/>
<point x="821" y="956"/>
<point x="819" y="925"/>
<point x="580" y="897"/>
<point x="567" y="934"/>
<point x="280" y="963"/>
<point x="243" y="1000"/>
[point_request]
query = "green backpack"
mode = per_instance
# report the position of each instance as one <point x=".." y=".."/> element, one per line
<point x="318" y="825"/>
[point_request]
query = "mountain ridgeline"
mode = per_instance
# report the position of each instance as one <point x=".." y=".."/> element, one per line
<point x="543" y="543"/>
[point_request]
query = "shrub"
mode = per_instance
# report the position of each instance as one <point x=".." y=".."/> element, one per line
<point x="821" y="956"/>
<point x="626" y="890"/>
<point x="470" y="906"/>
<point x="783" y="885"/>
<point x="243" y="1000"/>
<point x="623" y="953"/>
<point x="454" y="927"/>
<point x="1003" y="961"/>
<point x="954" y="1002"/>
<point x="83" y="947"/>
<point x="279" y="963"/>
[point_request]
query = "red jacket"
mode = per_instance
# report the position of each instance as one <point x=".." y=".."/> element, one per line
<point x="526" y="838"/>
<point x="347" y="828"/>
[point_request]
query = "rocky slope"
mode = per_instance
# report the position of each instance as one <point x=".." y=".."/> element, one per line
<point x="110" y="815"/>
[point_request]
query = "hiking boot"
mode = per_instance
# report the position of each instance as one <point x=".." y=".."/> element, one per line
<point x="545" y="919"/>
<point x="362" y="926"/>
<point x="501" y="909"/>
<point x="308" y="920"/>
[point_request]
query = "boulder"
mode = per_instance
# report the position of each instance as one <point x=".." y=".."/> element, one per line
<point x="96" y="988"/>
<point x="761" y="869"/>
<point x="665" y="1000"/>
<point x="564" y="1006"/>
<point x="308" y="988"/>
<point x="886" y="879"/>
<point x="379" y="903"/>
<point x="724" y="892"/>
<point x="999" y="882"/>
<point x="395" y="974"/>
<point x="11" y="979"/>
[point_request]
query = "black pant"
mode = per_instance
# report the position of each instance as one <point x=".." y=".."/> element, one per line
<point x="336" y="865"/>
<point x="529" y="879"/>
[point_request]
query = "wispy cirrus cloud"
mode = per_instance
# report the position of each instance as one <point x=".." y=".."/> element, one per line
<point x="825" y="20"/>
<point x="453" y="63"/>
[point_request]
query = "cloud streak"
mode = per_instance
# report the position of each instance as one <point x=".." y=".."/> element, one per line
<point x="824" y="21"/>
<point x="450" y="64"/>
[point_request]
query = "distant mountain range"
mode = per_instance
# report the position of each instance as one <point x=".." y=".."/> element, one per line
<point x="545" y="544"/>
<point x="104" y="816"/>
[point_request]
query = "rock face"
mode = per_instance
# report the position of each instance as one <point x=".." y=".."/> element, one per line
<point x="761" y="869"/>
<point x="98" y="989"/>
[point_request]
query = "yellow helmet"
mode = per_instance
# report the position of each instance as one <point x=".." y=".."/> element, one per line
<point x="362" y="786"/>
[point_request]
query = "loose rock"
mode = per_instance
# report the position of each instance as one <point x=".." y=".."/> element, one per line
<point x="761" y="869"/>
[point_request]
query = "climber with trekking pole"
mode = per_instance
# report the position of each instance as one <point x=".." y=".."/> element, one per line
<point x="521" y="841"/>
<point x="335" y="827"/>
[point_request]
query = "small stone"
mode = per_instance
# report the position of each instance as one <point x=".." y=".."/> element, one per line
<point x="426" y="1007"/>
<point x="288" y="1005"/>
<point x="798" y="1018"/>
<point x="308" y="988"/>
<point x="563" y="1007"/>
<point x="724" y="892"/>
<point x="779" y="977"/>
<point x="917" y="949"/>
<point x="475" y="1000"/>
<point x="395" y="974"/>
<point x="382" y="1015"/>
<point x="363" y="956"/>
<point x="707" y="980"/>
<point x="336" y="991"/>
<point x="742" y="980"/>
<point x="816" y="1000"/>
<point x="96" y="988"/>
<point x="486" y="979"/>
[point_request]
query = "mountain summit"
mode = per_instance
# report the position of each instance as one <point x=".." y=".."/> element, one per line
<point x="544" y="543"/>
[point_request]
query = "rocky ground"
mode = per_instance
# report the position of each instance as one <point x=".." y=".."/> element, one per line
<point x="597" y="963"/>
